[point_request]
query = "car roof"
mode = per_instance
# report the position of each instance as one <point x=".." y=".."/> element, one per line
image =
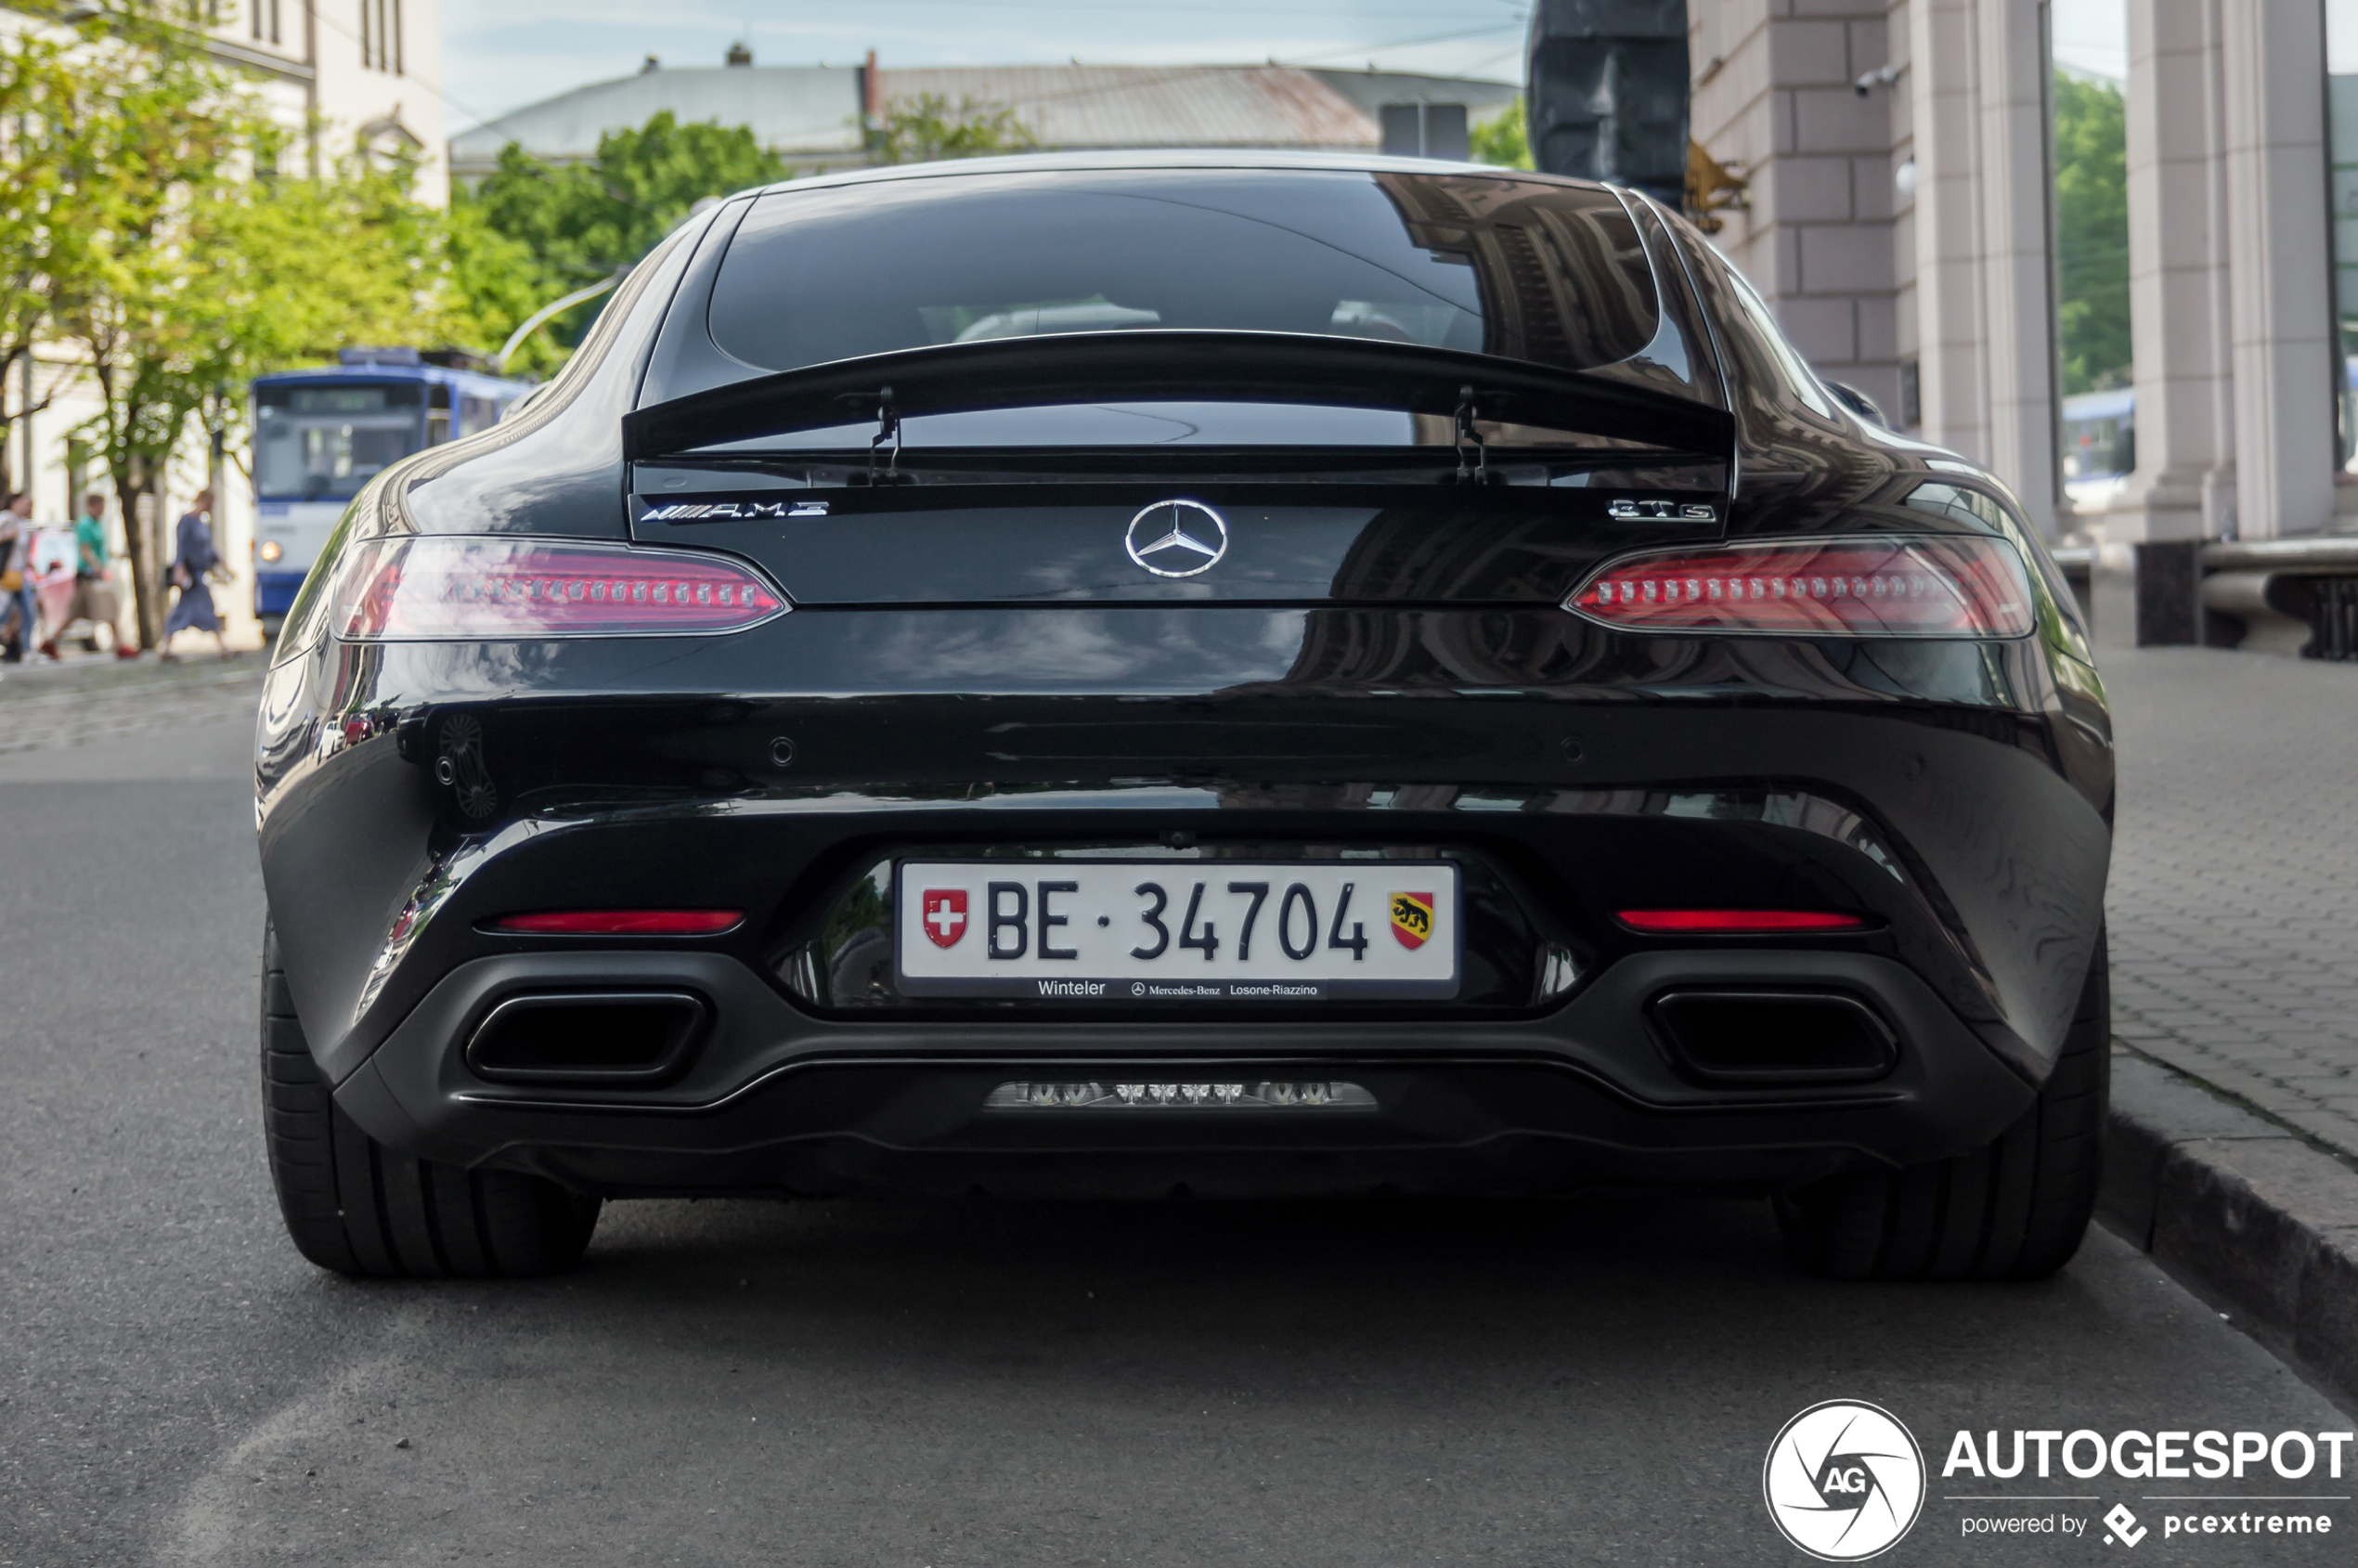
<point x="1183" y="157"/>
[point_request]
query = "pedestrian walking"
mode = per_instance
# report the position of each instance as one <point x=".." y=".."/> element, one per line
<point x="20" y="613"/>
<point x="49" y="563"/>
<point x="93" y="599"/>
<point x="194" y="557"/>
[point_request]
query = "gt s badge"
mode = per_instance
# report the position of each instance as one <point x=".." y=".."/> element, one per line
<point x="945" y="915"/>
<point x="1660" y="511"/>
<point x="1412" y="919"/>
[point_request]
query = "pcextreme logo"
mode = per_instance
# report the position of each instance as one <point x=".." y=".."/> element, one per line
<point x="1844" y="1481"/>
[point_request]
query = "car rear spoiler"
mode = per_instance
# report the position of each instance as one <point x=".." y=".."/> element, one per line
<point x="1132" y="367"/>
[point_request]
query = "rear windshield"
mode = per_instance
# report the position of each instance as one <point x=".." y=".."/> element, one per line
<point x="1519" y="269"/>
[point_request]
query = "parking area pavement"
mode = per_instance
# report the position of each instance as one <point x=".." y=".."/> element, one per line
<point x="2235" y="886"/>
<point x="46" y="707"/>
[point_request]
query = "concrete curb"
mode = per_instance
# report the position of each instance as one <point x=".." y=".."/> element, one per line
<point x="2252" y="1217"/>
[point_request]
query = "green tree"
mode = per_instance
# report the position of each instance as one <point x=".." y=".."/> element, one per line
<point x="494" y="283"/>
<point x="1504" y="139"/>
<point x="150" y="226"/>
<point x="148" y="135"/>
<point x="2091" y="234"/>
<point x="928" y="128"/>
<point x="303" y="266"/>
<point x="37" y="239"/>
<point x="575" y="223"/>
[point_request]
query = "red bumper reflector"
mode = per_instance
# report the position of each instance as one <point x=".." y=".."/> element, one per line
<point x="1952" y="586"/>
<point x="1736" y="922"/>
<point x="621" y="922"/>
<point x="447" y="587"/>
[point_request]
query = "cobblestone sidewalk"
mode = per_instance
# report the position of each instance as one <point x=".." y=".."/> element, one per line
<point x="45" y="707"/>
<point x="2235" y="888"/>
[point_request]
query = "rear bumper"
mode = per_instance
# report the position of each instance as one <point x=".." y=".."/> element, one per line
<point x="1941" y="792"/>
<point x="775" y="1100"/>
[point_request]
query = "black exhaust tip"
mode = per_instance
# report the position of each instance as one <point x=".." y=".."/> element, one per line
<point x="591" y="1038"/>
<point x="1773" y="1038"/>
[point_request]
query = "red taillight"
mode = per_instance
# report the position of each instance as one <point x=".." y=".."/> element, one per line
<point x="1954" y="586"/>
<point x="427" y="588"/>
<point x="622" y="923"/>
<point x="1735" y="922"/>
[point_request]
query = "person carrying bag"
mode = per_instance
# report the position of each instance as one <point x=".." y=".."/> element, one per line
<point x="194" y="560"/>
<point x="93" y="597"/>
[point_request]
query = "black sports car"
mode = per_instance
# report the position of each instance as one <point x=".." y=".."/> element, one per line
<point x="1190" y="674"/>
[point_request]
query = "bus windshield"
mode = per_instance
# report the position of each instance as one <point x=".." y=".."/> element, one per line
<point x="315" y="442"/>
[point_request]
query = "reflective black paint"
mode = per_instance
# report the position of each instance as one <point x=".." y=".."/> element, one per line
<point x="1386" y="667"/>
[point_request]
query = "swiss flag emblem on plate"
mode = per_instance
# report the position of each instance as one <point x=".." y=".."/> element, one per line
<point x="945" y="915"/>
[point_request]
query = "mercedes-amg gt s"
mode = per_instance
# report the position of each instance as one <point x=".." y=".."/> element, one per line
<point x="1226" y="675"/>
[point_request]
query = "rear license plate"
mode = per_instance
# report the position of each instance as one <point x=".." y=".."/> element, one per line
<point x="1163" y="931"/>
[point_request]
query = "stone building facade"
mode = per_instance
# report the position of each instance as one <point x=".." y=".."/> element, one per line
<point x="1900" y="220"/>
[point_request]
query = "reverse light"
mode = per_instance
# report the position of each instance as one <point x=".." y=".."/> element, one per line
<point x="621" y="922"/>
<point x="441" y="587"/>
<point x="1952" y="586"/>
<point x="1735" y="922"/>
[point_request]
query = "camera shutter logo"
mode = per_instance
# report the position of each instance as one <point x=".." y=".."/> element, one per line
<point x="1844" y="1481"/>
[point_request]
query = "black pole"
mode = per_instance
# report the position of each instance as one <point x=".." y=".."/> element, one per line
<point x="1608" y="92"/>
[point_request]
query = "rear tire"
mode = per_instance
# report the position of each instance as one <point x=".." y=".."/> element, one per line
<point x="2014" y="1210"/>
<point x="355" y="1206"/>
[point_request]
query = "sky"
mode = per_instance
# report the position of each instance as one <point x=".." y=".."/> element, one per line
<point x="2093" y="36"/>
<point x="499" y="57"/>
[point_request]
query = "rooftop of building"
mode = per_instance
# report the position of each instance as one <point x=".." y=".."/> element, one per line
<point x="811" y="115"/>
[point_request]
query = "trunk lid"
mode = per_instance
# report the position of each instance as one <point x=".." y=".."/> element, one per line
<point x="1173" y="543"/>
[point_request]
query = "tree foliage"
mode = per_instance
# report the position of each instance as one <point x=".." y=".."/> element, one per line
<point x="928" y="128"/>
<point x="2091" y="235"/>
<point x="145" y="134"/>
<point x="36" y="77"/>
<point x="151" y="228"/>
<point x="1504" y="139"/>
<point x="533" y="230"/>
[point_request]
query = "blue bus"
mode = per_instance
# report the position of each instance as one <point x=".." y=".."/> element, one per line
<point x="2099" y="445"/>
<point x="319" y="435"/>
<point x="2100" y="439"/>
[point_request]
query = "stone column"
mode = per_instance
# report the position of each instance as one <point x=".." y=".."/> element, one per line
<point x="2017" y="242"/>
<point x="2179" y="306"/>
<point x="1985" y="301"/>
<point x="2272" y="65"/>
<point x="1950" y="328"/>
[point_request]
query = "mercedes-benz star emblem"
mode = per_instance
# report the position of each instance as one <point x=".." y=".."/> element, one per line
<point x="1177" y="539"/>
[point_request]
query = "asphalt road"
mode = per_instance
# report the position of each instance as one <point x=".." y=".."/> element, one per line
<point x="1590" y="1381"/>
